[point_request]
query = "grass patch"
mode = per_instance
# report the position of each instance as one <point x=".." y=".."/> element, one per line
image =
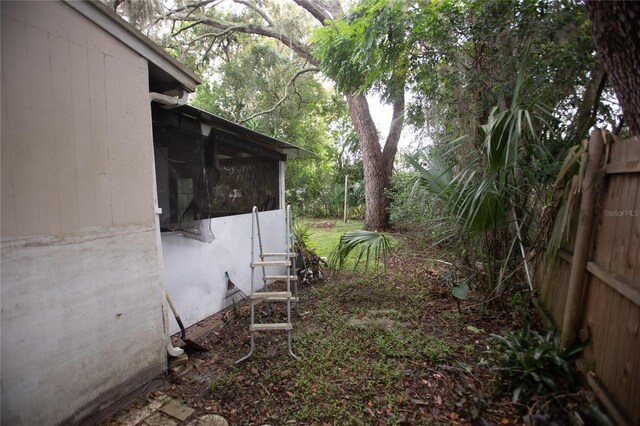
<point x="325" y="233"/>
<point x="324" y="236"/>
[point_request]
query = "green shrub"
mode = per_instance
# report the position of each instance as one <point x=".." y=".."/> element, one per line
<point x="530" y="362"/>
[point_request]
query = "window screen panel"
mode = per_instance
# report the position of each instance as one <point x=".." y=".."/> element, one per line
<point x="200" y="177"/>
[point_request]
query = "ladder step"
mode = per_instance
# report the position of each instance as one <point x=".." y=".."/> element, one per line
<point x="279" y="299"/>
<point x="271" y="263"/>
<point x="278" y="254"/>
<point x="271" y="294"/>
<point x="280" y="277"/>
<point x="271" y="327"/>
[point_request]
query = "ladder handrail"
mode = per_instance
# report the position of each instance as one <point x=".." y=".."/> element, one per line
<point x="288" y="249"/>
<point x="255" y="227"/>
<point x="255" y="214"/>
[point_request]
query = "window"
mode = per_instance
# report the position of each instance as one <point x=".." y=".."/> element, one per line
<point x="200" y="177"/>
<point x="185" y="195"/>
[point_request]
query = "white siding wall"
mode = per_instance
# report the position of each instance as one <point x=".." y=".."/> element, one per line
<point x="194" y="270"/>
<point x="82" y="315"/>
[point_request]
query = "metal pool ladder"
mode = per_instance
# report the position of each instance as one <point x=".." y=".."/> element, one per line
<point x="284" y="259"/>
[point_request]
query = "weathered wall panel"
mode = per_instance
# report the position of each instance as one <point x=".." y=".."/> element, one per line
<point x="194" y="271"/>
<point x="73" y="331"/>
<point x="80" y="127"/>
<point x="82" y="315"/>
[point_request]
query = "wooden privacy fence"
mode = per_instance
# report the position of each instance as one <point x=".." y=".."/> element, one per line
<point x="594" y="281"/>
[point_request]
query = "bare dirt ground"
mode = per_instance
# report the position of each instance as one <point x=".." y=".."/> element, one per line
<point x="386" y="349"/>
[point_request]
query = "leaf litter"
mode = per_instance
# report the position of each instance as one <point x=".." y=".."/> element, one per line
<point x="374" y="349"/>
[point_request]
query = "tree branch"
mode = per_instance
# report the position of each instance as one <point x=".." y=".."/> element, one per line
<point x="206" y="53"/>
<point x="321" y="10"/>
<point x="257" y="10"/>
<point x="298" y="47"/>
<point x="215" y="35"/>
<point x="281" y="100"/>
<point x="395" y="130"/>
<point x="192" y="6"/>
<point x="586" y="114"/>
<point x="193" y="24"/>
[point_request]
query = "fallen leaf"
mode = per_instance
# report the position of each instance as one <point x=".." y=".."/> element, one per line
<point x="504" y="421"/>
<point x="438" y="400"/>
<point x="473" y="329"/>
<point x="370" y="404"/>
<point x="454" y="416"/>
<point x="289" y="394"/>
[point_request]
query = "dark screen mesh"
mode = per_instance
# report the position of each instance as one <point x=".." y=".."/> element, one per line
<point x="200" y="177"/>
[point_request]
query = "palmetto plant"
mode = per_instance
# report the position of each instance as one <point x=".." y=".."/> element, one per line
<point x="368" y="246"/>
<point x="491" y="194"/>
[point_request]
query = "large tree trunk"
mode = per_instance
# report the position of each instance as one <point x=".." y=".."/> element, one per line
<point x="615" y="31"/>
<point x="377" y="162"/>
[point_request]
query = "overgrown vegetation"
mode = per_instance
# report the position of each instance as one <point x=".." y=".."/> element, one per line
<point x="501" y="93"/>
<point x="531" y="363"/>
<point x="390" y="348"/>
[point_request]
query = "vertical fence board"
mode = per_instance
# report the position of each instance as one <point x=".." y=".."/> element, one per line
<point x="553" y="288"/>
<point x="632" y="270"/>
<point x="624" y="221"/>
<point x="592" y="315"/>
<point x="615" y="363"/>
<point x="633" y="390"/>
<point x="603" y="246"/>
<point x="619" y="344"/>
<point x="633" y="252"/>
<point x="602" y="256"/>
<point x="612" y="318"/>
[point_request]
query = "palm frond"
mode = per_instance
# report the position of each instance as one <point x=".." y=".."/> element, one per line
<point x="370" y="245"/>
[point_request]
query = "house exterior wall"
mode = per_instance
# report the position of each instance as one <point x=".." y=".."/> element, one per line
<point x="82" y="320"/>
<point x="194" y="271"/>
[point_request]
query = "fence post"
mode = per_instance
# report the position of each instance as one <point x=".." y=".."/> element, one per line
<point x="346" y="198"/>
<point x="582" y="247"/>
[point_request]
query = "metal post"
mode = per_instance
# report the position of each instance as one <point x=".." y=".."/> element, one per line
<point x="254" y="225"/>
<point x="289" y="249"/>
<point x="346" y="198"/>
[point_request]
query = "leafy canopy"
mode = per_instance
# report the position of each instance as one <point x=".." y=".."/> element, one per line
<point x="368" y="49"/>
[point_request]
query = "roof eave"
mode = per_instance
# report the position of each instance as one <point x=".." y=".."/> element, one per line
<point x="291" y="151"/>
